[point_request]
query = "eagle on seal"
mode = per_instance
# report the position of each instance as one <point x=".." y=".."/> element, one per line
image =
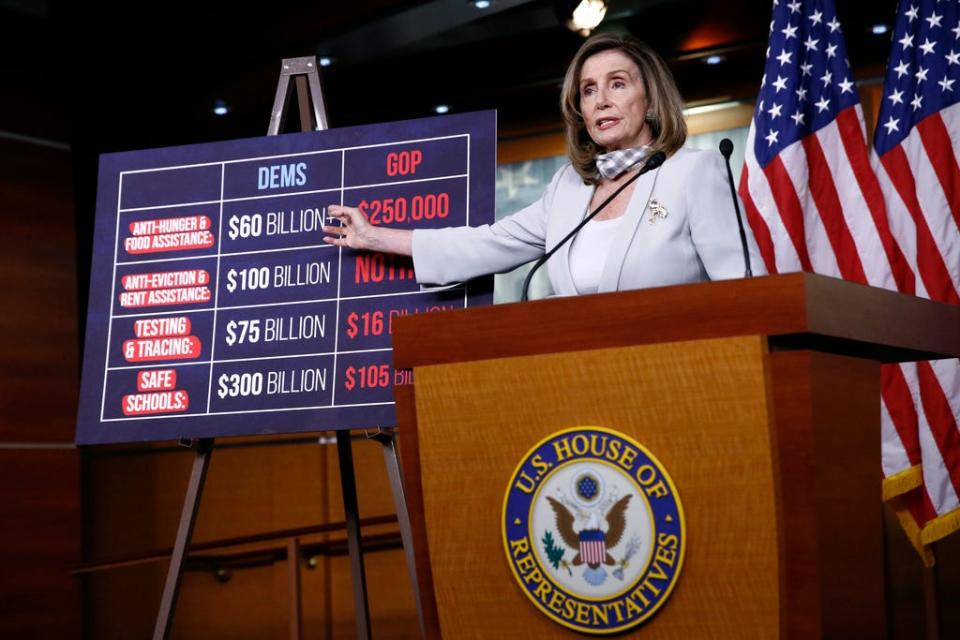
<point x="591" y="541"/>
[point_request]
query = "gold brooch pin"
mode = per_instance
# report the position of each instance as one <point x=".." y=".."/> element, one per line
<point x="657" y="210"/>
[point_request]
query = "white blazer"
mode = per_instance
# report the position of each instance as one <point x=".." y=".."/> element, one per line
<point x="695" y="238"/>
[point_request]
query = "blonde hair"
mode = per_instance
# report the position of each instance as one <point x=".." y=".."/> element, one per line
<point x="665" y="114"/>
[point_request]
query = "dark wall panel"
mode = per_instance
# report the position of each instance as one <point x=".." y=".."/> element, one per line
<point x="40" y="524"/>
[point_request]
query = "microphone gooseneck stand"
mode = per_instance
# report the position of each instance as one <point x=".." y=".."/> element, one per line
<point x="726" y="148"/>
<point x="652" y="163"/>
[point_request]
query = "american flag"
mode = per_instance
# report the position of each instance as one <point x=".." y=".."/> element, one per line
<point x="807" y="167"/>
<point x="915" y="153"/>
<point x="815" y="203"/>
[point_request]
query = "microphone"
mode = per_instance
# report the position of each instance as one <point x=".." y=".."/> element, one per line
<point x="726" y="148"/>
<point x="652" y="163"/>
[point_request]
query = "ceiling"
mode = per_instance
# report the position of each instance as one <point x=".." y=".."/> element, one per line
<point x="101" y="76"/>
<point x="107" y="76"/>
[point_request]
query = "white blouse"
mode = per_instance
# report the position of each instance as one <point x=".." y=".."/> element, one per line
<point x="589" y="253"/>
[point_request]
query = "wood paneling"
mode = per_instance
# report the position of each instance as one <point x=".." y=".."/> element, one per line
<point x="799" y="310"/>
<point x="736" y="116"/>
<point x="40" y="540"/>
<point x="827" y="451"/>
<point x="530" y="146"/>
<point x="39" y="468"/>
<point x="39" y="321"/>
<point x="409" y="444"/>
<point x="824" y="440"/>
<point x="134" y="495"/>
<point x="700" y="407"/>
<point x="390" y="594"/>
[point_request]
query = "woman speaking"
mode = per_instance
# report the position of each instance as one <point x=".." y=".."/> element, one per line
<point x="674" y="224"/>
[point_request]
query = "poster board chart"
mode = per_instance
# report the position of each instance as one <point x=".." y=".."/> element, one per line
<point x="160" y="323"/>
<point x="225" y="293"/>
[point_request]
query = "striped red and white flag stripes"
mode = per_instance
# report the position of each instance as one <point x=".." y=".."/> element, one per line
<point x="593" y="551"/>
<point x="914" y="154"/>
<point x="921" y="185"/>
<point x="819" y="199"/>
<point x="819" y="207"/>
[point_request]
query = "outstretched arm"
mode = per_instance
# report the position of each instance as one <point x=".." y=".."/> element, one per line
<point x="356" y="232"/>
<point x="451" y="254"/>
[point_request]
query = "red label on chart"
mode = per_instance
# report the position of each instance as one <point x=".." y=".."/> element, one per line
<point x="379" y="267"/>
<point x="159" y="327"/>
<point x="404" y="163"/>
<point x="170" y="225"/>
<point x="404" y="209"/>
<point x="164" y="297"/>
<point x="366" y="377"/>
<point x="145" y="404"/>
<point x="179" y="241"/>
<point x="179" y="348"/>
<point x="165" y="279"/>
<point x="156" y="379"/>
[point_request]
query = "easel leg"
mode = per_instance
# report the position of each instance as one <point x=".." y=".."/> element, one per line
<point x="389" y="441"/>
<point x="352" y="518"/>
<point x="188" y="517"/>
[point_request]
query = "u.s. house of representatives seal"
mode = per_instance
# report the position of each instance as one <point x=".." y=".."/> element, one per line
<point x="593" y="530"/>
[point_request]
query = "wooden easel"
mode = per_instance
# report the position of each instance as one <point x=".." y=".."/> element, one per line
<point x="306" y="78"/>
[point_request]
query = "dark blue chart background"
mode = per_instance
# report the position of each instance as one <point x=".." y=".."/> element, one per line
<point x="293" y="335"/>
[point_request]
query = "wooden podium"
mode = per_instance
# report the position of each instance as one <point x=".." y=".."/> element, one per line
<point x="760" y="397"/>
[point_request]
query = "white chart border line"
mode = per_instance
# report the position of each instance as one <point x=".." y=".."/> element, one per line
<point x="165" y="364"/>
<point x="216" y="291"/>
<point x="231" y="254"/>
<point x="336" y="334"/>
<point x="278" y="304"/>
<point x="230" y="413"/>
<point x="298" y="154"/>
<point x="203" y="203"/>
<point x="113" y="291"/>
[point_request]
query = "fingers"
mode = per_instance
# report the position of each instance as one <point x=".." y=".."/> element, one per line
<point x="335" y="235"/>
<point x="351" y="229"/>
<point x="342" y="213"/>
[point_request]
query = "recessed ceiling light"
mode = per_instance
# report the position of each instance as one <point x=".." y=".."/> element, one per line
<point x="325" y="61"/>
<point x="442" y="108"/>
<point x="480" y="4"/>
<point x="586" y="16"/>
<point x="220" y="108"/>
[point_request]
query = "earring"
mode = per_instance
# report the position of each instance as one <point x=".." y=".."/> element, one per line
<point x="654" y="122"/>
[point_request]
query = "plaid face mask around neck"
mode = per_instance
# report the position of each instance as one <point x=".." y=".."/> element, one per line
<point x="613" y="164"/>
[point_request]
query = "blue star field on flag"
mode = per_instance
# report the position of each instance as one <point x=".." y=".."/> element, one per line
<point x="807" y="79"/>
<point x="923" y="76"/>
